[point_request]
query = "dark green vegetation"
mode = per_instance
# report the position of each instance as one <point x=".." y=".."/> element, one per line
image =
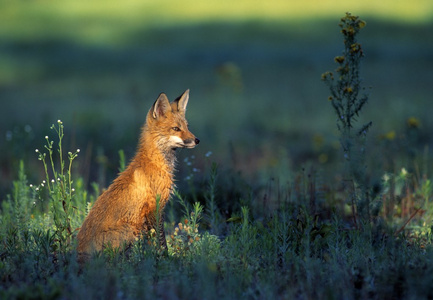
<point x="275" y="216"/>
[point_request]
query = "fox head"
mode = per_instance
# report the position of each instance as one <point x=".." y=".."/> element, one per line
<point x="168" y="125"/>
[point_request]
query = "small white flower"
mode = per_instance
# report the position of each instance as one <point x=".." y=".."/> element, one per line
<point x="36" y="150"/>
<point x="58" y="121"/>
<point x="78" y="150"/>
<point x="58" y="179"/>
<point x="52" y="180"/>
<point x="43" y="181"/>
<point x="31" y="185"/>
<point x="37" y="189"/>
<point x="46" y="137"/>
<point x="73" y="190"/>
<point x="42" y="184"/>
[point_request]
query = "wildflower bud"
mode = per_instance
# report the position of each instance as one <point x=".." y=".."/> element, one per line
<point x="73" y="190"/>
<point x="186" y="220"/>
<point x="58" y="121"/>
<point x="46" y="137"/>
<point x="78" y="150"/>
<point x="52" y="180"/>
<point x="36" y="150"/>
<point x="348" y="89"/>
<point x="339" y="59"/>
<point x="413" y="122"/>
<point x="31" y="185"/>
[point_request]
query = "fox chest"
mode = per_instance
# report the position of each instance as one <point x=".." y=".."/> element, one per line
<point x="147" y="190"/>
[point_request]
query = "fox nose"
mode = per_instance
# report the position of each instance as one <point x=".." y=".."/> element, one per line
<point x="197" y="141"/>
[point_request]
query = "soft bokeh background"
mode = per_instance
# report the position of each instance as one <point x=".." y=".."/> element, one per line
<point x="253" y="67"/>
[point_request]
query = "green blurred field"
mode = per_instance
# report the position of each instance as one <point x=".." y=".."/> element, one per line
<point x="253" y="68"/>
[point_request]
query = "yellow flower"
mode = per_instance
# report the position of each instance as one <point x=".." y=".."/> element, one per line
<point x="339" y="59"/>
<point x="348" y="89"/>
<point x="355" y="47"/>
<point x="326" y="75"/>
<point x="413" y="122"/>
<point x="390" y="135"/>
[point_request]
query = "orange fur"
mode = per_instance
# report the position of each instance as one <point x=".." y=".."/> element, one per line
<point x="127" y="208"/>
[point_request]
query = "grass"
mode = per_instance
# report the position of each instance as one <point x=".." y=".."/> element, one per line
<point x="261" y="209"/>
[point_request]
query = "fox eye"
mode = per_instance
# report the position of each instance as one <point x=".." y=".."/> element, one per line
<point x="176" y="128"/>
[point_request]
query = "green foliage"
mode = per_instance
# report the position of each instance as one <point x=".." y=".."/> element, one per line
<point x="59" y="188"/>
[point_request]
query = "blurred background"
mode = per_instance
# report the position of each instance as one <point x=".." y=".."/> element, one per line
<point x="257" y="102"/>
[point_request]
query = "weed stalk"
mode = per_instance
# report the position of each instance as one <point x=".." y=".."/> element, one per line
<point x="347" y="101"/>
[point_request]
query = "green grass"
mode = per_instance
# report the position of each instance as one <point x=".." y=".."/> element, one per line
<point x="271" y="200"/>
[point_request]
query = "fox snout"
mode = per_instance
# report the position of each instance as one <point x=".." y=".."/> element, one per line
<point x="191" y="143"/>
<point x="178" y="142"/>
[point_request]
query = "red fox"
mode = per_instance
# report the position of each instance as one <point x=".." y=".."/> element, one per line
<point x="127" y="209"/>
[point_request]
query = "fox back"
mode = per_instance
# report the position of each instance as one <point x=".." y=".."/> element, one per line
<point x="127" y="209"/>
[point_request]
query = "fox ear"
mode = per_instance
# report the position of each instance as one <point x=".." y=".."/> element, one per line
<point x="161" y="106"/>
<point x="180" y="103"/>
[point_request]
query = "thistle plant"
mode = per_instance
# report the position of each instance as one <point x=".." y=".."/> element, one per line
<point x="348" y="98"/>
<point x="59" y="187"/>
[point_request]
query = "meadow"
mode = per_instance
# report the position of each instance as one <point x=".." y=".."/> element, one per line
<point x="267" y="206"/>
